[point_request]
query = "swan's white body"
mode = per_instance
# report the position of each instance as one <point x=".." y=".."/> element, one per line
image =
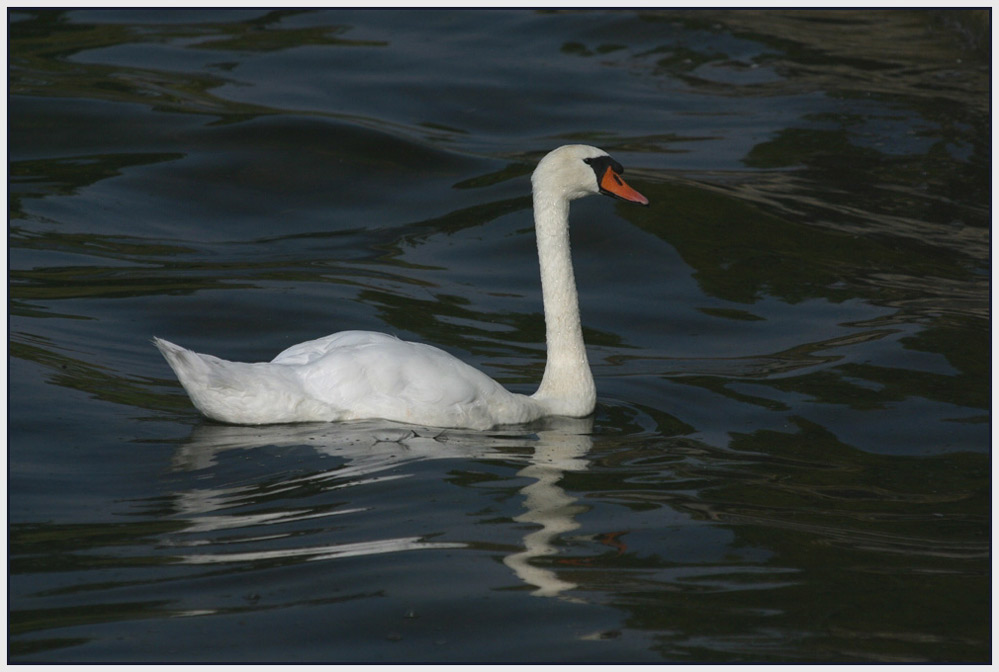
<point x="360" y="374"/>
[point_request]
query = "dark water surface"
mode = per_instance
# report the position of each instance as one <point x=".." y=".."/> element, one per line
<point x="790" y="456"/>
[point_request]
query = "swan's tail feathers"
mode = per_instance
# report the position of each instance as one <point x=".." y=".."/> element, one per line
<point x="190" y="367"/>
<point x="239" y="392"/>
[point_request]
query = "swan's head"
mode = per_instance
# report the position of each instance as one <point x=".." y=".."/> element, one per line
<point x="574" y="171"/>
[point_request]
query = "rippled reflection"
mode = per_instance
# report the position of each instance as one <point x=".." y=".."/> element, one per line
<point x="368" y="449"/>
<point x="556" y="452"/>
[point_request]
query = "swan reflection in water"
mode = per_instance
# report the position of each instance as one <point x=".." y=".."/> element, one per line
<point x="371" y="448"/>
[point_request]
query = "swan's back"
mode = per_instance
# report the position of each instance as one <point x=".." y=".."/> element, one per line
<point x="345" y="376"/>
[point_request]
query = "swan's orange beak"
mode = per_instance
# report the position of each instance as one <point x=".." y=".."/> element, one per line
<point x="612" y="185"/>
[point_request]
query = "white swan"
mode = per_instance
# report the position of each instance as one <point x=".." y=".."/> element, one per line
<point x="361" y="375"/>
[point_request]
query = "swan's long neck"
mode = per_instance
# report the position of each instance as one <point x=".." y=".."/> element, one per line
<point x="567" y="387"/>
